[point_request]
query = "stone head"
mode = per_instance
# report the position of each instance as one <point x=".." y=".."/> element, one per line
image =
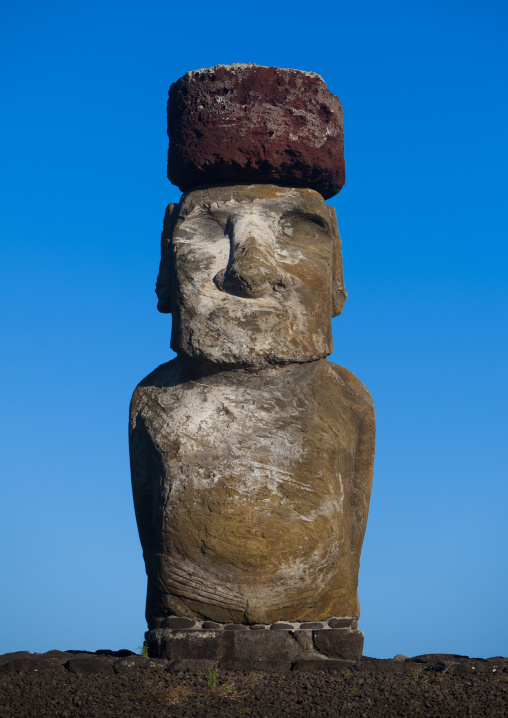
<point x="252" y="274"/>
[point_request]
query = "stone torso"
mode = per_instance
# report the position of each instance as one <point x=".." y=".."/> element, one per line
<point x="251" y="490"/>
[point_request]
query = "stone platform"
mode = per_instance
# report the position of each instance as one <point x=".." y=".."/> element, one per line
<point x="183" y="639"/>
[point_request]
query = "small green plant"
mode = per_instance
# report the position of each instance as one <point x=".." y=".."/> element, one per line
<point x="212" y="676"/>
<point x="415" y="675"/>
<point x="353" y="691"/>
<point x="143" y="649"/>
<point x="244" y="712"/>
<point x="213" y="688"/>
<point x="345" y="674"/>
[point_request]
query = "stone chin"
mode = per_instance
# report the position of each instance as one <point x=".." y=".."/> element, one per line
<point x="252" y="275"/>
<point x="242" y="333"/>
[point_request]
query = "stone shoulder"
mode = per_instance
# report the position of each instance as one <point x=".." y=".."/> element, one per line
<point x="356" y="390"/>
<point x="166" y="375"/>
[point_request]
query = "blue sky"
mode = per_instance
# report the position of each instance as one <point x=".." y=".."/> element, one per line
<point x="424" y="230"/>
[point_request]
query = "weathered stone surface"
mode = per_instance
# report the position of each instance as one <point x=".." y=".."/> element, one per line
<point x="312" y="624"/>
<point x="251" y="455"/>
<point x="284" y="447"/>
<point x="468" y="669"/>
<point x="90" y="664"/>
<point x="280" y="645"/>
<point x="31" y="664"/>
<point x="305" y="641"/>
<point x="225" y="458"/>
<point x="62" y="655"/>
<point x="137" y="663"/>
<point x="8" y="657"/>
<point x="155" y="623"/>
<point x="246" y="123"/>
<point x="177" y="622"/>
<point x="340" y="623"/>
<point x="122" y="653"/>
<point x="225" y="645"/>
<point x="435" y="657"/>
<point x="339" y="643"/>
<point x="252" y="275"/>
<point x="280" y="626"/>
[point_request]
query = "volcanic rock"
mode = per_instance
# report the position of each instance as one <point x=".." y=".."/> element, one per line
<point x="251" y="124"/>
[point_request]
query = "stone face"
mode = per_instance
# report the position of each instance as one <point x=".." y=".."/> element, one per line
<point x="252" y="275"/>
<point x="246" y="123"/>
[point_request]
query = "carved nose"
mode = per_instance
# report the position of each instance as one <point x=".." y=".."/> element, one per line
<point x="251" y="270"/>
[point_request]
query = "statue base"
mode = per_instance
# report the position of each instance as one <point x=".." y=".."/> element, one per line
<point x="237" y="646"/>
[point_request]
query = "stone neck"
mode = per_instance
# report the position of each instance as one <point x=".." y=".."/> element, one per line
<point x="222" y="375"/>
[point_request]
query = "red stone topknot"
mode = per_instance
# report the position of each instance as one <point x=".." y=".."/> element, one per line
<point x="250" y="124"/>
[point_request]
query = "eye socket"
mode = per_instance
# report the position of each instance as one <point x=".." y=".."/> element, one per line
<point x="316" y="219"/>
<point x="295" y="226"/>
<point x="205" y="227"/>
<point x="311" y="217"/>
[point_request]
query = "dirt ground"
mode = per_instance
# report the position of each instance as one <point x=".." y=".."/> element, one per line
<point x="119" y="684"/>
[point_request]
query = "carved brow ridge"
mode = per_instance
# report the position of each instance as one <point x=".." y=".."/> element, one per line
<point x="223" y="214"/>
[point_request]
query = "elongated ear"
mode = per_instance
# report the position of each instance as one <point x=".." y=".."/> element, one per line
<point x="163" y="287"/>
<point x="339" y="294"/>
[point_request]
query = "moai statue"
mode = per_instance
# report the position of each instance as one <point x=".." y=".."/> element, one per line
<point x="251" y="454"/>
